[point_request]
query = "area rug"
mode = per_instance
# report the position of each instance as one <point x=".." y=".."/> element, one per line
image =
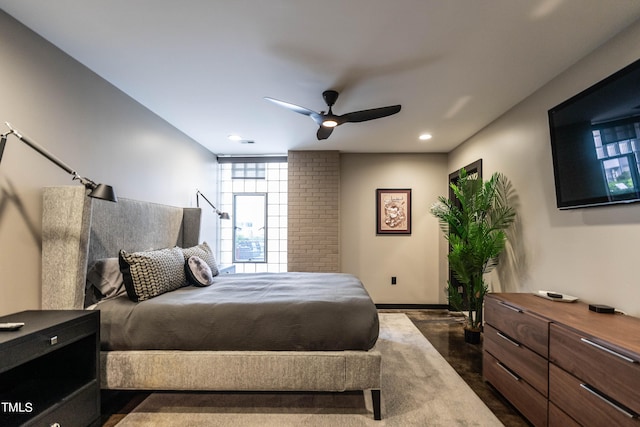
<point x="419" y="388"/>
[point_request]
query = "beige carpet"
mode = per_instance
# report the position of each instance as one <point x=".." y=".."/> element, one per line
<point x="419" y="388"/>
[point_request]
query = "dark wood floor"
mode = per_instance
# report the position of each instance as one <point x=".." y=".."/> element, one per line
<point x="442" y="328"/>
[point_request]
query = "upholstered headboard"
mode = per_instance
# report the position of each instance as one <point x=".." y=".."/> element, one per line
<point x="77" y="230"/>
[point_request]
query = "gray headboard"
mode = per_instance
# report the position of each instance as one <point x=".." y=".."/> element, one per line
<point x="77" y="230"/>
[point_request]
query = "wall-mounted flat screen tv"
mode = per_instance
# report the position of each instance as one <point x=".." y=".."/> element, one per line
<point x="595" y="143"/>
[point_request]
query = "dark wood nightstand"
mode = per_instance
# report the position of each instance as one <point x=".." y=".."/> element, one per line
<point x="49" y="370"/>
<point x="228" y="269"/>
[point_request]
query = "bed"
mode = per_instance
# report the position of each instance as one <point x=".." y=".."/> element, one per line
<point x="78" y="230"/>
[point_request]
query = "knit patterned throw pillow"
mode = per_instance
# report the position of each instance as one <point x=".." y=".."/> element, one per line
<point x="151" y="273"/>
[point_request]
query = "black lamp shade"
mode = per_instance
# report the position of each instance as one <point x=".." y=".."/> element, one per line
<point x="104" y="192"/>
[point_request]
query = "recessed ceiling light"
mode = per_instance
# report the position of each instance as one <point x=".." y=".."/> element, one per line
<point x="234" y="137"/>
<point x="425" y="137"/>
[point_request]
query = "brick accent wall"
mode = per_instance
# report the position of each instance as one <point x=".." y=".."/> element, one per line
<point x="314" y="211"/>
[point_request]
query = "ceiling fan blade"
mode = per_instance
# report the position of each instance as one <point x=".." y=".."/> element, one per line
<point x="364" y="115"/>
<point x="324" y="132"/>
<point x="317" y="117"/>
<point x="331" y="120"/>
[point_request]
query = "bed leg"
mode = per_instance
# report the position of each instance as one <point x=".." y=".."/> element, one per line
<point x="375" y="398"/>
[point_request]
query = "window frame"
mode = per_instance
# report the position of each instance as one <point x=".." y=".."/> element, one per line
<point x="265" y="239"/>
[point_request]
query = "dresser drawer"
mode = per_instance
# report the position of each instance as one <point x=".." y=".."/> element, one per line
<point x="525" y="328"/>
<point x="557" y="418"/>
<point x="43" y="342"/>
<point x="585" y="404"/>
<point x="79" y="409"/>
<point x="526" y="364"/>
<point x="613" y="371"/>
<point x="525" y="398"/>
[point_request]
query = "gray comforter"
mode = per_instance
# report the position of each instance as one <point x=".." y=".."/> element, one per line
<point x="261" y="311"/>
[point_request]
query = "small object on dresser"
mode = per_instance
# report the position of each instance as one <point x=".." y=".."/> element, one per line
<point x="600" y="308"/>
<point x="13" y="326"/>
<point x="556" y="296"/>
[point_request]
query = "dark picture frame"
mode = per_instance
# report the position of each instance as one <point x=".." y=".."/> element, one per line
<point x="393" y="211"/>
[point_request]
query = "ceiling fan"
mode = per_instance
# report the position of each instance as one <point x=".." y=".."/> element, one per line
<point x="327" y="120"/>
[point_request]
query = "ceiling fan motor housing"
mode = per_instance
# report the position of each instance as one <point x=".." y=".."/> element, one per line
<point x="330" y="97"/>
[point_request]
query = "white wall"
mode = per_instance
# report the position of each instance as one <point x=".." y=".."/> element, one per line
<point x="415" y="260"/>
<point x="91" y="126"/>
<point x="590" y="253"/>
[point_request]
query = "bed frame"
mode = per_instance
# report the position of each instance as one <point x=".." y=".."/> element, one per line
<point x="77" y="230"/>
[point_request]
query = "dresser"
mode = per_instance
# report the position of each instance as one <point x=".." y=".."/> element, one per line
<point x="561" y="364"/>
<point x="49" y="372"/>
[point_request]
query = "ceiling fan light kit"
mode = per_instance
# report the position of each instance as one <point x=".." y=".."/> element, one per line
<point x="327" y="121"/>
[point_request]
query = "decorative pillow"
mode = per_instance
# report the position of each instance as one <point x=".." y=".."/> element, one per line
<point x="104" y="281"/>
<point x="151" y="273"/>
<point x="203" y="251"/>
<point x="198" y="272"/>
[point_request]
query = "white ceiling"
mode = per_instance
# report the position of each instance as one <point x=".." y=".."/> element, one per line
<point x="205" y="65"/>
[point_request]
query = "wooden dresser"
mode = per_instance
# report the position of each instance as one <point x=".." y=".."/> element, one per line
<point x="561" y="364"/>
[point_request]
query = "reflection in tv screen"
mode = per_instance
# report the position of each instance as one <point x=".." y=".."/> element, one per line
<point x="595" y="143"/>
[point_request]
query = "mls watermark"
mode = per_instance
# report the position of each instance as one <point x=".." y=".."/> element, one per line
<point x="16" y="407"/>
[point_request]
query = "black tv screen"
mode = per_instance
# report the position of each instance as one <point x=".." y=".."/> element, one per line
<point x="595" y="143"/>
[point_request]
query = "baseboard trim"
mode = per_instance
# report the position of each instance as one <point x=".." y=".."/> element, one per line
<point x="413" y="306"/>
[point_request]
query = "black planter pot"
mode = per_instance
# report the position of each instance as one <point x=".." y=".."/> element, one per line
<point x="471" y="336"/>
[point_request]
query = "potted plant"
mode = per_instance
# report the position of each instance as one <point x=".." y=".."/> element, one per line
<point x="474" y="223"/>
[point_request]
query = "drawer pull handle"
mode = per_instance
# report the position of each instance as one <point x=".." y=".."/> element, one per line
<point x="53" y="340"/>
<point x="610" y="403"/>
<point x="508" y="371"/>
<point x="603" y="348"/>
<point x="510" y="307"/>
<point x="509" y="340"/>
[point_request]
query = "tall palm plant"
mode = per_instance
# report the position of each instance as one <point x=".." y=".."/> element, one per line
<point x="475" y="227"/>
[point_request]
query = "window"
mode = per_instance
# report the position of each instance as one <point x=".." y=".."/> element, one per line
<point x="617" y="149"/>
<point x="248" y="171"/>
<point x="249" y="227"/>
<point x="254" y="192"/>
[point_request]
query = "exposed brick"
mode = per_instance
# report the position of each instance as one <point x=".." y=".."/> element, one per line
<point x="313" y="216"/>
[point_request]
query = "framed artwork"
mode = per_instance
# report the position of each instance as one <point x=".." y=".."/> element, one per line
<point x="393" y="211"/>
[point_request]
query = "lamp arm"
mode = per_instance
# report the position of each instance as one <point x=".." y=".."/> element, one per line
<point x="99" y="191"/>
<point x="42" y="151"/>
<point x="222" y="215"/>
<point x="85" y="181"/>
<point x="3" y="141"/>
<point x="198" y="193"/>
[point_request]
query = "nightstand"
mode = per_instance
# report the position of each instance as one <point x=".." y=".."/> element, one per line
<point x="227" y="269"/>
<point x="49" y="370"/>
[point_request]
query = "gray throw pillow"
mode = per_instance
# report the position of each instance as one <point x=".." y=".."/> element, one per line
<point x="203" y="251"/>
<point x="104" y="281"/>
